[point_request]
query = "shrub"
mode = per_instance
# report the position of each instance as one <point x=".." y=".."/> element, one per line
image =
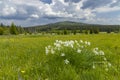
<point x="75" y="54"/>
<point x="1" y="31"/>
<point x="65" y="32"/>
<point x="13" y="29"/>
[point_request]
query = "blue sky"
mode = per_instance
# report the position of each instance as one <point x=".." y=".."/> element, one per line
<point x="39" y="12"/>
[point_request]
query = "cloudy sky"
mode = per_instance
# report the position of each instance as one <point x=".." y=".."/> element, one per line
<point x="38" y="12"/>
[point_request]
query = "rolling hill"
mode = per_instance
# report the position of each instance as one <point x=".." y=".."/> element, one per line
<point x="68" y="25"/>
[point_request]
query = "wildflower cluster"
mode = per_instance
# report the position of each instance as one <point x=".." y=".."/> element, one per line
<point x="78" y="54"/>
<point x="103" y="59"/>
<point x="58" y="45"/>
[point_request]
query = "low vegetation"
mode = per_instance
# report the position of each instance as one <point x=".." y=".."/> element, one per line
<point x="60" y="51"/>
<point x="60" y="57"/>
<point x="60" y="28"/>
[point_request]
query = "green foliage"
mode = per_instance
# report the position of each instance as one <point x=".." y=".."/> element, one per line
<point x="65" y="32"/>
<point x="96" y="30"/>
<point x="58" y="32"/>
<point x="86" y="32"/>
<point x="91" y="31"/>
<point x="74" y="26"/>
<point x="22" y="57"/>
<point x="13" y="29"/>
<point x="77" y="54"/>
<point x="6" y="31"/>
<point x="109" y="30"/>
<point x="2" y="25"/>
<point x="20" y="30"/>
<point x="80" y="31"/>
<point x="1" y="31"/>
<point x="74" y="32"/>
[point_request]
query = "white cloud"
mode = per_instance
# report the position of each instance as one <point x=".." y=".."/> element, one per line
<point x="58" y="8"/>
<point x="114" y="1"/>
<point x="22" y="11"/>
<point x="8" y="10"/>
<point x="36" y="9"/>
<point x="106" y="9"/>
<point x="0" y="2"/>
<point x="34" y="16"/>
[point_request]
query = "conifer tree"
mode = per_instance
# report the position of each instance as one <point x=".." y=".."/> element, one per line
<point x="1" y="31"/>
<point x="13" y="29"/>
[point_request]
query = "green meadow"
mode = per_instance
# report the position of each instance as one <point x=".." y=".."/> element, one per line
<point x="23" y="57"/>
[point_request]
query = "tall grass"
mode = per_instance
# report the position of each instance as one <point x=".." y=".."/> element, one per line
<point x="24" y="58"/>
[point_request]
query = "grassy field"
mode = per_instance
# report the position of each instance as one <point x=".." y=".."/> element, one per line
<point x="24" y="58"/>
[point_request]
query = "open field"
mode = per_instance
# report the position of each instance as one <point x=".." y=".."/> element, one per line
<point x="24" y="58"/>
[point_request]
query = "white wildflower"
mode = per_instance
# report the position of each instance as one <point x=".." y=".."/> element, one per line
<point x="101" y="52"/>
<point x="46" y="50"/>
<point x="66" y="44"/>
<point x="79" y="51"/>
<point x="76" y="41"/>
<point x="96" y="49"/>
<point x="96" y="52"/>
<point x="109" y="64"/>
<point x="66" y="61"/>
<point x="52" y="51"/>
<point x="88" y="43"/>
<point x="81" y="41"/>
<point x="72" y="42"/>
<point x="62" y="54"/>
<point x="57" y="40"/>
<point x="105" y="59"/>
<point x="61" y="42"/>
<point x="49" y="46"/>
<point x="71" y="45"/>
<point x="57" y="44"/>
<point x="93" y="66"/>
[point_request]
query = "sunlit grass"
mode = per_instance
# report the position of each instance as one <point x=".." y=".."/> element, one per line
<point x="23" y="57"/>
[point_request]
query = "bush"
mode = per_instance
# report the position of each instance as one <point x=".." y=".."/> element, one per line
<point x="86" y="32"/>
<point x="96" y="30"/>
<point x="77" y="55"/>
<point x="13" y="29"/>
<point x="91" y="31"/>
<point x="1" y="31"/>
<point x="65" y="32"/>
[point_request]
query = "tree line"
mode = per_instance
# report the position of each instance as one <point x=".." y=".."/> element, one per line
<point x="11" y="29"/>
<point x="69" y="27"/>
<point x="59" y="28"/>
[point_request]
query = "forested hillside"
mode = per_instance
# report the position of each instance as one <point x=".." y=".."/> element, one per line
<point x="67" y="25"/>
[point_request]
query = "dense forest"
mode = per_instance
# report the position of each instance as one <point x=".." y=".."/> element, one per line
<point x="65" y="27"/>
<point x="11" y="29"/>
<point x="74" y="27"/>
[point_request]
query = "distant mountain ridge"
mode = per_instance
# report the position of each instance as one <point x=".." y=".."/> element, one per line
<point x="69" y="25"/>
<point x="62" y="23"/>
